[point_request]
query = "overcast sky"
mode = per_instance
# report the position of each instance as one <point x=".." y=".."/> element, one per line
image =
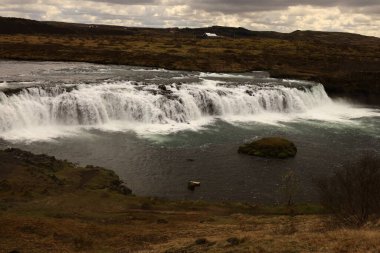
<point x="358" y="16"/>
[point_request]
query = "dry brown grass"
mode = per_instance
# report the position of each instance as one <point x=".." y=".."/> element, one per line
<point x="78" y="216"/>
<point x="139" y="231"/>
<point x="344" y="65"/>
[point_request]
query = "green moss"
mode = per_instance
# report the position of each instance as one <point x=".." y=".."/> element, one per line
<point x="282" y="155"/>
<point x="271" y="147"/>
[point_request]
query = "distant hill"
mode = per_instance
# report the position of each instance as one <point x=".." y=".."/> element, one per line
<point x="9" y="25"/>
<point x="26" y="26"/>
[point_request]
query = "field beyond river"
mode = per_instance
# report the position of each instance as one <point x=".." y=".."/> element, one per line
<point x="347" y="64"/>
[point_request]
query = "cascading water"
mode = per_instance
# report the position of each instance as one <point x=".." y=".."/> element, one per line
<point x="148" y="124"/>
<point x="129" y="102"/>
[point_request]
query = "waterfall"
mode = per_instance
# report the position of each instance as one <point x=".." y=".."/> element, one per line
<point x="89" y="104"/>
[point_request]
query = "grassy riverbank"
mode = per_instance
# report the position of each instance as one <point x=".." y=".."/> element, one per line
<point x="347" y="64"/>
<point x="48" y="205"/>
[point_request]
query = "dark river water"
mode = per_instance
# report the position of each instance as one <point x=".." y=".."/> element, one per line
<point x="158" y="129"/>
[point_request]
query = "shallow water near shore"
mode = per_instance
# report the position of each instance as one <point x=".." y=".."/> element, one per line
<point x="189" y="129"/>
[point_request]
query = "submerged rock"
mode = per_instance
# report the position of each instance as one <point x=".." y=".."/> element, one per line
<point x="270" y="147"/>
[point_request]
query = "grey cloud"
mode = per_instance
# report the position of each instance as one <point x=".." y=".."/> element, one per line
<point x="351" y="15"/>
<point x="129" y="2"/>
<point x="243" y="6"/>
<point x="240" y="6"/>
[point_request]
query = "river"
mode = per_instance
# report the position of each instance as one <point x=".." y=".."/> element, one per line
<point x="158" y="129"/>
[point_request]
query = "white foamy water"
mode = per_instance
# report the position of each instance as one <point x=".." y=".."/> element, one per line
<point x="150" y="70"/>
<point x="223" y="75"/>
<point x="46" y="113"/>
<point x="3" y="84"/>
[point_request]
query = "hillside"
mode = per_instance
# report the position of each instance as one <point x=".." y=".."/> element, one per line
<point x="49" y="205"/>
<point x="347" y="64"/>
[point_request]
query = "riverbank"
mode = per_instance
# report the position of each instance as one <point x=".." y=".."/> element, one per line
<point x="52" y="205"/>
<point x="347" y="64"/>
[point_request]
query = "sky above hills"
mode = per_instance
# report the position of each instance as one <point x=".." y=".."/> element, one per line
<point x="357" y="16"/>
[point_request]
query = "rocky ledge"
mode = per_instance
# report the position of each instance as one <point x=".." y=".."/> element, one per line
<point x="25" y="174"/>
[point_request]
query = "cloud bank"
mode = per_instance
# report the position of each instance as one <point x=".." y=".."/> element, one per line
<point x="276" y="15"/>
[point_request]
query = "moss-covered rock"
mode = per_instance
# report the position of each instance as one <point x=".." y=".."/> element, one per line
<point x="270" y="147"/>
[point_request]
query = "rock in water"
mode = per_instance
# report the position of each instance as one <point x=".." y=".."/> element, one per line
<point x="162" y="87"/>
<point x="270" y="147"/>
<point x="192" y="184"/>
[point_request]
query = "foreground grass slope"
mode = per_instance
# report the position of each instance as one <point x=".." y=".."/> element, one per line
<point x="47" y="205"/>
<point x="347" y="64"/>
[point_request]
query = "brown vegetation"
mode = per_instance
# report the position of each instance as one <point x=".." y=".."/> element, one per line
<point x="47" y="205"/>
<point x="352" y="193"/>
<point x="270" y="147"/>
<point x="347" y="64"/>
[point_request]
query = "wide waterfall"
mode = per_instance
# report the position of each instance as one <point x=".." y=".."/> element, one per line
<point x="134" y="102"/>
<point x="158" y="129"/>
